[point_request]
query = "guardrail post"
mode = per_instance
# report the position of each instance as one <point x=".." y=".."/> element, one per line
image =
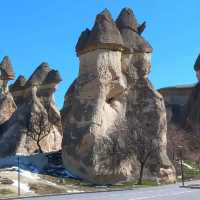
<point x="18" y="163"/>
<point x="182" y="170"/>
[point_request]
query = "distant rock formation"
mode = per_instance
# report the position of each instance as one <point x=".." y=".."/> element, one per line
<point x="7" y="104"/>
<point x="176" y="98"/>
<point x="183" y="113"/>
<point x="111" y="102"/>
<point x="36" y="114"/>
<point x="193" y="109"/>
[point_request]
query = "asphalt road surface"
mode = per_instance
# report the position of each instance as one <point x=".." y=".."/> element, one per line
<point x="169" y="192"/>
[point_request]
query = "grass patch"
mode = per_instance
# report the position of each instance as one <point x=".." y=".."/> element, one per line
<point x="5" y="191"/>
<point x="84" y="184"/>
<point x="41" y="188"/>
<point x="192" y="164"/>
<point x="76" y="182"/>
<point x="191" y="173"/>
<point x="149" y="183"/>
<point x="133" y="184"/>
<point x="65" y="181"/>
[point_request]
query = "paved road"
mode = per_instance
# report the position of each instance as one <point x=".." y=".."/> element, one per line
<point x="170" y="192"/>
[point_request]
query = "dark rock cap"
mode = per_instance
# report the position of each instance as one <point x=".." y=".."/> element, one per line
<point x="18" y="84"/>
<point x="130" y="32"/>
<point x="104" y="34"/>
<point x="197" y="63"/>
<point x="82" y="41"/>
<point x="127" y="19"/>
<point x="21" y="80"/>
<point x="134" y="42"/>
<point x="53" y="77"/>
<point x="39" y="75"/>
<point x="6" y="66"/>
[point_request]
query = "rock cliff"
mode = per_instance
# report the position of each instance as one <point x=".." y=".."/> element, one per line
<point x="112" y="103"/>
<point x="183" y="117"/>
<point x="192" y="118"/>
<point x="36" y="122"/>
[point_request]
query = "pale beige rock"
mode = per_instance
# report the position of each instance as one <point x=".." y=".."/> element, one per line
<point x="7" y="104"/>
<point x="7" y="108"/>
<point x="107" y="105"/>
<point x="35" y="108"/>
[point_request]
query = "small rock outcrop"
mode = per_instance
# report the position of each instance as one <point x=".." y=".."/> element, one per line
<point x="111" y="103"/>
<point x="36" y="123"/>
<point x="7" y="104"/>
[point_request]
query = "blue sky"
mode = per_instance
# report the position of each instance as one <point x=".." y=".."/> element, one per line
<point x="33" y="31"/>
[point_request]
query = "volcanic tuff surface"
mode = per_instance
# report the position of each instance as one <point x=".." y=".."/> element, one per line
<point x="111" y="103"/>
<point x="182" y="103"/>
<point x="192" y="109"/>
<point x="32" y="110"/>
<point x="7" y="104"/>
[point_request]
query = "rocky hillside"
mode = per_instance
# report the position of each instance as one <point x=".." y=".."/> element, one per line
<point x="29" y="119"/>
<point x="112" y="117"/>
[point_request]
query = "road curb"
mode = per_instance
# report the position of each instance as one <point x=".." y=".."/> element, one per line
<point x="66" y="194"/>
<point x="69" y="194"/>
<point x="194" y="186"/>
<point x="191" y="186"/>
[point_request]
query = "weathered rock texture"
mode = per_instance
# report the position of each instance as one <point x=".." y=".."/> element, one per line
<point x="111" y="102"/>
<point x="36" y="111"/>
<point x="17" y="89"/>
<point x="192" y="109"/>
<point x="182" y="103"/>
<point x="176" y="99"/>
<point x="7" y="104"/>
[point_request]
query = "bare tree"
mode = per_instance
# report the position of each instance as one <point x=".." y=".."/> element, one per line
<point x="38" y="127"/>
<point x="140" y="143"/>
<point x="144" y="146"/>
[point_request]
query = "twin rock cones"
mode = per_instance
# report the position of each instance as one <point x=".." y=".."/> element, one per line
<point x="112" y="102"/>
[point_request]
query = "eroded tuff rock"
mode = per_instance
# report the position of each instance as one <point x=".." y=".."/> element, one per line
<point x="17" y="89"/>
<point x="182" y="103"/>
<point x="104" y="34"/>
<point x="111" y="102"/>
<point x="36" y="111"/>
<point x="7" y="104"/>
<point x="192" y="109"/>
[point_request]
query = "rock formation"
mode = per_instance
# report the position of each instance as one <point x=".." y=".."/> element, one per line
<point x="111" y="103"/>
<point x="36" y="123"/>
<point x="176" y="99"/>
<point x="183" y="117"/>
<point x="17" y="89"/>
<point x="192" y="109"/>
<point x="7" y="104"/>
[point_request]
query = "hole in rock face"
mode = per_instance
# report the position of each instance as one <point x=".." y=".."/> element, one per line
<point x="148" y="124"/>
<point x="110" y="100"/>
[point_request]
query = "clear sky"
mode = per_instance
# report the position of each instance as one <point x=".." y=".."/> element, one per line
<point x="33" y="31"/>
